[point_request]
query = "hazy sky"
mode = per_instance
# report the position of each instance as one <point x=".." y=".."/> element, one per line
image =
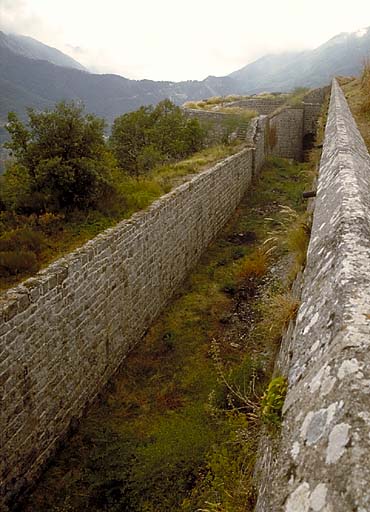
<point x="178" y="40"/>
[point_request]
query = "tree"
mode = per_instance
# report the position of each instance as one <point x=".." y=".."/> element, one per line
<point x="62" y="156"/>
<point x="142" y="139"/>
<point x="129" y="137"/>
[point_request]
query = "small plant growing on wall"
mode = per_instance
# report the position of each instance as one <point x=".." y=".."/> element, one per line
<point x="272" y="402"/>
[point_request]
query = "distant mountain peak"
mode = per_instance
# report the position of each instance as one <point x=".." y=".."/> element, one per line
<point x="33" y="49"/>
<point x="362" y="32"/>
<point x="35" y="75"/>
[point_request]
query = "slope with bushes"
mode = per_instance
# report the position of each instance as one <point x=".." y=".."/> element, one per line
<point x="66" y="182"/>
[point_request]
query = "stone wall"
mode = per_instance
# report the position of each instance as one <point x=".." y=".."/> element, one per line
<point x="215" y="122"/>
<point x="310" y="116"/>
<point x="256" y="137"/>
<point x="321" y="459"/>
<point x="286" y="132"/>
<point x="262" y="106"/>
<point x="286" y="125"/>
<point x="64" y="332"/>
<point x="316" y="95"/>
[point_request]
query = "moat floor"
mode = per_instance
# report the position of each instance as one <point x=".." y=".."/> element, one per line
<point x="170" y="432"/>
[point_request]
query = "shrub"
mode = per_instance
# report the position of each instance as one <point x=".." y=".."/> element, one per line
<point x="277" y="311"/>
<point x="191" y="105"/>
<point x="255" y="266"/>
<point x="297" y="239"/>
<point x="214" y="100"/>
<point x="50" y="223"/>
<point x="237" y="389"/>
<point x="61" y="160"/>
<point x="142" y="139"/>
<point x="148" y="158"/>
<point x="17" y="262"/>
<point x="22" y="239"/>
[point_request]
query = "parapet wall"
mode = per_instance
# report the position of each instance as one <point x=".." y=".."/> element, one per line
<point x="286" y="132"/>
<point x="64" y="333"/>
<point x="321" y="459"/>
<point x="286" y="126"/>
<point x="216" y="123"/>
<point x="262" y="106"/>
<point x="311" y="114"/>
<point x="256" y="137"/>
<point x="316" y="95"/>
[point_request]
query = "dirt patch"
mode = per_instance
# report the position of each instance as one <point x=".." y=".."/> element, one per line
<point x="248" y="237"/>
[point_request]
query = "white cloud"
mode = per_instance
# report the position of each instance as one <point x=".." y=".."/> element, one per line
<point x="177" y="40"/>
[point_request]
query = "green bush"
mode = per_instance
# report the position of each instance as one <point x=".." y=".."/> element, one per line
<point x="142" y="139"/>
<point x="61" y="160"/>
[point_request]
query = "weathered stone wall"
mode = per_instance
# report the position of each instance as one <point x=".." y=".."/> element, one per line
<point x="256" y="137"/>
<point x="262" y="106"/>
<point x="206" y="115"/>
<point x="65" y="332"/>
<point x="286" y="132"/>
<point x="311" y="114"/>
<point x="321" y="459"/>
<point x="215" y="122"/>
<point x="316" y="95"/>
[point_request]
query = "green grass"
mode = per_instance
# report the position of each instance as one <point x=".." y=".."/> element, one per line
<point x="172" y="431"/>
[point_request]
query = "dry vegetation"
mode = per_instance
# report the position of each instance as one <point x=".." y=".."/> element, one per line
<point x="357" y="92"/>
<point x="220" y="103"/>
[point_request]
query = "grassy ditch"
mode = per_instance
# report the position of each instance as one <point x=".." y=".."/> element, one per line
<point x="178" y="427"/>
<point x="30" y="242"/>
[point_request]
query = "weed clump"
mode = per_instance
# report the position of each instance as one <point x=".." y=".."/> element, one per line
<point x="273" y="400"/>
<point x="256" y="265"/>
<point x="298" y="231"/>
<point x="276" y="310"/>
<point x="239" y="388"/>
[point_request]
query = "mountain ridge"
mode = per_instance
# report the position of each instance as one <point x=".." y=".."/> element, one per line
<point x="34" y="49"/>
<point x="37" y="82"/>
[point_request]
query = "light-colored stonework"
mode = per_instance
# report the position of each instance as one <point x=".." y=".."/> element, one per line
<point x="289" y="124"/>
<point x="65" y="332"/>
<point x="321" y="461"/>
<point x="262" y="106"/>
